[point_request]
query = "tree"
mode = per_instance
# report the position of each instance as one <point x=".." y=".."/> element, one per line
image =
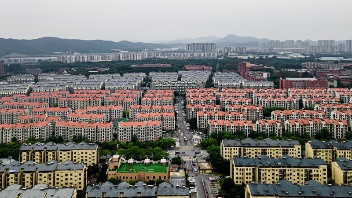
<point x="206" y="142"/>
<point x="134" y="139"/>
<point x="92" y="170"/>
<point x="177" y="160"/>
<point x="159" y="181"/>
<point x="230" y="190"/>
<point x="14" y="139"/>
<point x="126" y="114"/>
<point x="349" y="135"/>
<point x="193" y="123"/>
<point x="115" y="181"/>
<point x="323" y="134"/>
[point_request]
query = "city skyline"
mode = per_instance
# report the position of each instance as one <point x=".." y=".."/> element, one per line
<point x="156" y="20"/>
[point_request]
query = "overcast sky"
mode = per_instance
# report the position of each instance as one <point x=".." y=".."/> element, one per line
<point x="155" y="20"/>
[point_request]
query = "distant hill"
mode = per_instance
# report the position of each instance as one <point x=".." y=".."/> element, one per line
<point x="231" y="38"/>
<point x="49" y="45"/>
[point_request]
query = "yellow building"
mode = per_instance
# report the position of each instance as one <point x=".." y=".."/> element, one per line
<point x="264" y="169"/>
<point x="86" y="153"/>
<point x="145" y="170"/>
<point x="29" y="174"/>
<point x="328" y="151"/>
<point x="287" y="189"/>
<point x="248" y="147"/>
<point x="342" y="171"/>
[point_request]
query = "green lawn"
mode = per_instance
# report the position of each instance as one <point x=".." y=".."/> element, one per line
<point x="157" y="168"/>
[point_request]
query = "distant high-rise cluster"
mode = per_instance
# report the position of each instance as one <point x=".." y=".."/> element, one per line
<point x="1" y="68"/>
<point x="201" y="47"/>
<point x="322" y="46"/>
<point x="349" y="45"/>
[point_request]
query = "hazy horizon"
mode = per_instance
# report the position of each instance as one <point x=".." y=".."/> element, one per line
<point x="166" y="20"/>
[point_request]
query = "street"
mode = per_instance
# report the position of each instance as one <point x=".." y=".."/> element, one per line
<point x="188" y="153"/>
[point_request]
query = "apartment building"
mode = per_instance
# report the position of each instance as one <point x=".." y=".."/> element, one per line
<point x="296" y="114"/>
<point x="23" y="105"/>
<point x="95" y="132"/>
<point x="112" y="112"/>
<point x="342" y="115"/>
<point x="192" y="110"/>
<point x="22" y="131"/>
<point x="244" y="170"/>
<point x="284" y="189"/>
<point x="145" y="131"/>
<point x="338" y="128"/>
<point x="269" y="126"/>
<point x="79" y="103"/>
<point x="203" y="117"/>
<point x="312" y="102"/>
<point x="167" y="119"/>
<point x="52" y="173"/>
<point x="287" y="103"/>
<point x="342" y="171"/>
<point x="215" y="126"/>
<point x="329" y="151"/>
<point x="131" y="169"/>
<point x="86" y="117"/>
<point x="85" y="153"/>
<point x="158" y="101"/>
<point x="328" y="108"/>
<point x="209" y="100"/>
<point x="9" y="116"/>
<point x="253" y="112"/>
<point x="234" y="101"/>
<point x="248" y="147"/>
<point x="52" y="112"/>
<point x="134" y="109"/>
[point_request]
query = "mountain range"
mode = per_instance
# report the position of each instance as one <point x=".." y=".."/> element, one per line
<point x="49" y="45"/>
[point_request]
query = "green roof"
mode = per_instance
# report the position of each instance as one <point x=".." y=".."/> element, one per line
<point x="135" y="168"/>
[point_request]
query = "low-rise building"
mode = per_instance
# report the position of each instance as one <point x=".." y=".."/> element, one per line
<point x="342" y="171"/>
<point x="131" y="169"/>
<point x="123" y="189"/>
<point x="329" y="151"/>
<point x="38" y="191"/>
<point x="248" y="147"/>
<point x="28" y="174"/>
<point x="244" y="170"/>
<point x="85" y="153"/>
<point x="284" y="189"/>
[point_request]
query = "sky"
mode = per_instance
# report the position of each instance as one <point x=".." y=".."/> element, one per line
<point x="161" y="20"/>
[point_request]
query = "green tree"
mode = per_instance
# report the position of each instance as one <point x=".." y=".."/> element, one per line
<point x="206" y="142"/>
<point x="14" y="139"/>
<point x="115" y="181"/>
<point x="193" y="123"/>
<point x="159" y="181"/>
<point x="177" y="160"/>
<point x="126" y="114"/>
<point x="323" y="134"/>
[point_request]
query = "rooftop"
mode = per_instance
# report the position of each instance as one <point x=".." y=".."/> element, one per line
<point x="286" y="188"/>
<point x="141" y="167"/>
